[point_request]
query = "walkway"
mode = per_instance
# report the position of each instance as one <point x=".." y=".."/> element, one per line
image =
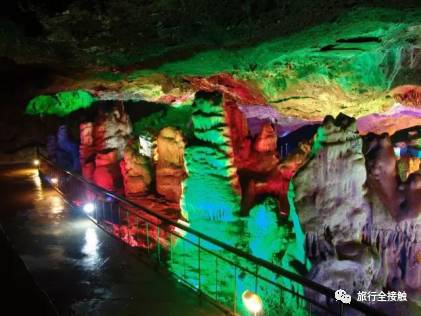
<point x="82" y="269"/>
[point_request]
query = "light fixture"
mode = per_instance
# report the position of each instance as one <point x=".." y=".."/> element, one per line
<point x="252" y="301"/>
<point x="88" y="208"/>
<point x="54" y="180"/>
<point x="36" y="162"/>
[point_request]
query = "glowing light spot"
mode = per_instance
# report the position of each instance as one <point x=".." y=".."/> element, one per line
<point x="90" y="249"/>
<point x="54" y="180"/>
<point x="56" y="204"/>
<point x="36" y="162"/>
<point x="252" y="301"/>
<point x="88" y="208"/>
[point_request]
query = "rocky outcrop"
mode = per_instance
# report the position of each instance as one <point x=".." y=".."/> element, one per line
<point x="397" y="118"/>
<point x="107" y="171"/>
<point x="362" y="231"/>
<point x="398" y="247"/>
<point x="410" y="95"/>
<point x="211" y="189"/>
<point x="51" y="147"/>
<point x="112" y="131"/>
<point x="401" y="198"/>
<point x="330" y="192"/>
<point x="330" y="199"/>
<point x="169" y="165"/>
<point x="407" y="166"/>
<point x="254" y="137"/>
<point x="67" y="153"/>
<point x="87" y="150"/>
<point x="136" y="171"/>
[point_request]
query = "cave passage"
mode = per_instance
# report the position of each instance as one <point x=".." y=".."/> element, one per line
<point x="81" y="268"/>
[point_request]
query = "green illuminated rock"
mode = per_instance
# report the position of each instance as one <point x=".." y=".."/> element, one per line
<point x="208" y="191"/>
<point x="61" y="104"/>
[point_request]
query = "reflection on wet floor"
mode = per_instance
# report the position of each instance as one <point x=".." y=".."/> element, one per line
<point x="83" y="269"/>
<point x="90" y="248"/>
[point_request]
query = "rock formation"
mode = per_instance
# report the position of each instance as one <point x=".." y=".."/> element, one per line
<point x="401" y="198"/>
<point x="254" y="136"/>
<point x="136" y="171"/>
<point x="112" y="131"/>
<point x="330" y="201"/>
<point x="360" y="220"/>
<point x="87" y="150"/>
<point x="107" y="170"/>
<point x="169" y="165"/>
<point x="67" y="152"/>
<point x="408" y="166"/>
<point x="211" y="189"/>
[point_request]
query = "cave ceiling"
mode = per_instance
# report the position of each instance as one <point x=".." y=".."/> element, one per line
<point x="306" y="59"/>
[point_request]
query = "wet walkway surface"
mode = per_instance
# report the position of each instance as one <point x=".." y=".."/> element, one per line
<point x="83" y="270"/>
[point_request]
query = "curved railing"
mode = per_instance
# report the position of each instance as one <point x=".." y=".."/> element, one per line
<point x="156" y="234"/>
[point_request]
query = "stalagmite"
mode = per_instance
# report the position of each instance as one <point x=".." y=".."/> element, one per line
<point x="170" y="163"/>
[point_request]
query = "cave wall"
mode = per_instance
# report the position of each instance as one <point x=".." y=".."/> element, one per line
<point x="361" y="221"/>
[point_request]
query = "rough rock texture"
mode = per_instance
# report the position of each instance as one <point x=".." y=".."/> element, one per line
<point x="169" y="165"/>
<point x="326" y="184"/>
<point x="107" y="171"/>
<point x="408" y="166"/>
<point x="256" y="156"/>
<point x="259" y="115"/>
<point x="211" y="189"/>
<point x="402" y="199"/>
<point x="51" y="147"/>
<point x="353" y="229"/>
<point x="67" y="153"/>
<point x="397" y="118"/>
<point x="336" y="274"/>
<point x="136" y="171"/>
<point x="398" y="247"/>
<point x="112" y="131"/>
<point x="410" y="95"/>
<point x="87" y="150"/>
<point x="330" y="201"/>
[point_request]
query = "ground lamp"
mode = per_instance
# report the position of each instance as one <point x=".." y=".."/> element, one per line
<point x="252" y="301"/>
<point x="88" y="208"/>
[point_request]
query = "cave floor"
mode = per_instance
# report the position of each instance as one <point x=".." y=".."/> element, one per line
<point x="82" y="269"/>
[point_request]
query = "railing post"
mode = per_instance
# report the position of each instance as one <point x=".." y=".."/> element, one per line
<point x="256" y="274"/>
<point x="184" y="259"/>
<point x="158" y="247"/>
<point x="147" y="236"/>
<point x="199" y="265"/>
<point x="235" y="289"/>
<point x="171" y="254"/>
<point x="216" y="278"/>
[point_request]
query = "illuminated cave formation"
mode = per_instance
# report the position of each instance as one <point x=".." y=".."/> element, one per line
<point x="305" y="155"/>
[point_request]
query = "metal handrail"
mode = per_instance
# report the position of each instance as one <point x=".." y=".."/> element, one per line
<point x="327" y="292"/>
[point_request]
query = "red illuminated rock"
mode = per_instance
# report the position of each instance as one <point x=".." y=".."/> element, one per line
<point x="408" y="95"/>
<point x="266" y="140"/>
<point x="107" y="170"/>
<point x="87" y="150"/>
<point x="257" y="160"/>
<point x="137" y="172"/>
<point x="235" y="89"/>
<point x="112" y="130"/>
